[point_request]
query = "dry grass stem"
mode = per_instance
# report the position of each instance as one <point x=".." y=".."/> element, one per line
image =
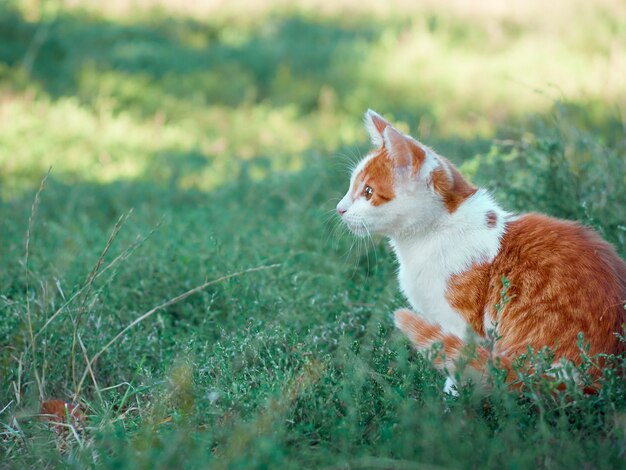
<point x="29" y="231"/>
<point x="89" y="369"/>
<point x="89" y="283"/>
<point x="121" y="257"/>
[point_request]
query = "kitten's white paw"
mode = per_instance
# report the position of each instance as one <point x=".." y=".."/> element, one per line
<point x="450" y="387"/>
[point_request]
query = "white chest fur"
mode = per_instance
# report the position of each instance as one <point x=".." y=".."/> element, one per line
<point x="429" y="259"/>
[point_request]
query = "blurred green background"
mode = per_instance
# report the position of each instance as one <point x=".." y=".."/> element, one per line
<point x="183" y="93"/>
<point x="228" y="128"/>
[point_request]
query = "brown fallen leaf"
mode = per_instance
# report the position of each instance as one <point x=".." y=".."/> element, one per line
<point x="59" y="411"/>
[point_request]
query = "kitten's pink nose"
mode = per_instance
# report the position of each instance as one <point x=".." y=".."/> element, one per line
<point x="341" y="211"/>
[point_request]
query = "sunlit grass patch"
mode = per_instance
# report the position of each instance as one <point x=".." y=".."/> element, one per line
<point x="224" y="88"/>
<point x="204" y="150"/>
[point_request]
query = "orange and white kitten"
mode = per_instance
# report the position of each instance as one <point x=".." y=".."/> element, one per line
<point x="454" y="243"/>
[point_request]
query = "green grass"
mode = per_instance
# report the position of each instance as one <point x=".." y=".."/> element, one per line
<point x="228" y="135"/>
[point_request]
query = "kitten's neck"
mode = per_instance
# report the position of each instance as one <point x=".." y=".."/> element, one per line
<point x="476" y="218"/>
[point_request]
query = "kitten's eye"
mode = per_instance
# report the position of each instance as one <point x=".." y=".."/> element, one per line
<point x="368" y="191"/>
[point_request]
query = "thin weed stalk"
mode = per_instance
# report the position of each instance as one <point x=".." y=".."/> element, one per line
<point x="121" y="257"/>
<point x="29" y="231"/>
<point x="88" y="284"/>
<point x="89" y="369"/>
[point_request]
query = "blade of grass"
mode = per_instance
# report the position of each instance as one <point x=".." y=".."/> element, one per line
<point x="89" y="369"/>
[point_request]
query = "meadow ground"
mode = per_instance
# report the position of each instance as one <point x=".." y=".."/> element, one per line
<point x="192" y="141"/>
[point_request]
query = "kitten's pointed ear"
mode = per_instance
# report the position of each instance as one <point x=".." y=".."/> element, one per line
<point x="397" y="146"/>
<point x="375" y="125"/>
<point x="403" y="150"/>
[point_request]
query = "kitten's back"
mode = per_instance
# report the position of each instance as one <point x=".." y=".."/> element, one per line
<point x="564" y="279"/>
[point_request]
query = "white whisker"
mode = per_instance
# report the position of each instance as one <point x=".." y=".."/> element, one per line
<point x="369" y="236"/>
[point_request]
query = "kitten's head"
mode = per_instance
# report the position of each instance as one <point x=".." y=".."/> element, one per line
<point x="401" y="186"/>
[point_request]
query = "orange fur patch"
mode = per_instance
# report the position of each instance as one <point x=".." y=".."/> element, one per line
<point x="378" y="174"/>
<point x="424" y="335"/>
<point x="467" y="294"/>
<point x="564" y="279"/>
<point x="454" y="189"/>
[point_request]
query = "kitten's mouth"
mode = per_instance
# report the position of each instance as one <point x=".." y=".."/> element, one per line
<point x="357" y="229"/>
